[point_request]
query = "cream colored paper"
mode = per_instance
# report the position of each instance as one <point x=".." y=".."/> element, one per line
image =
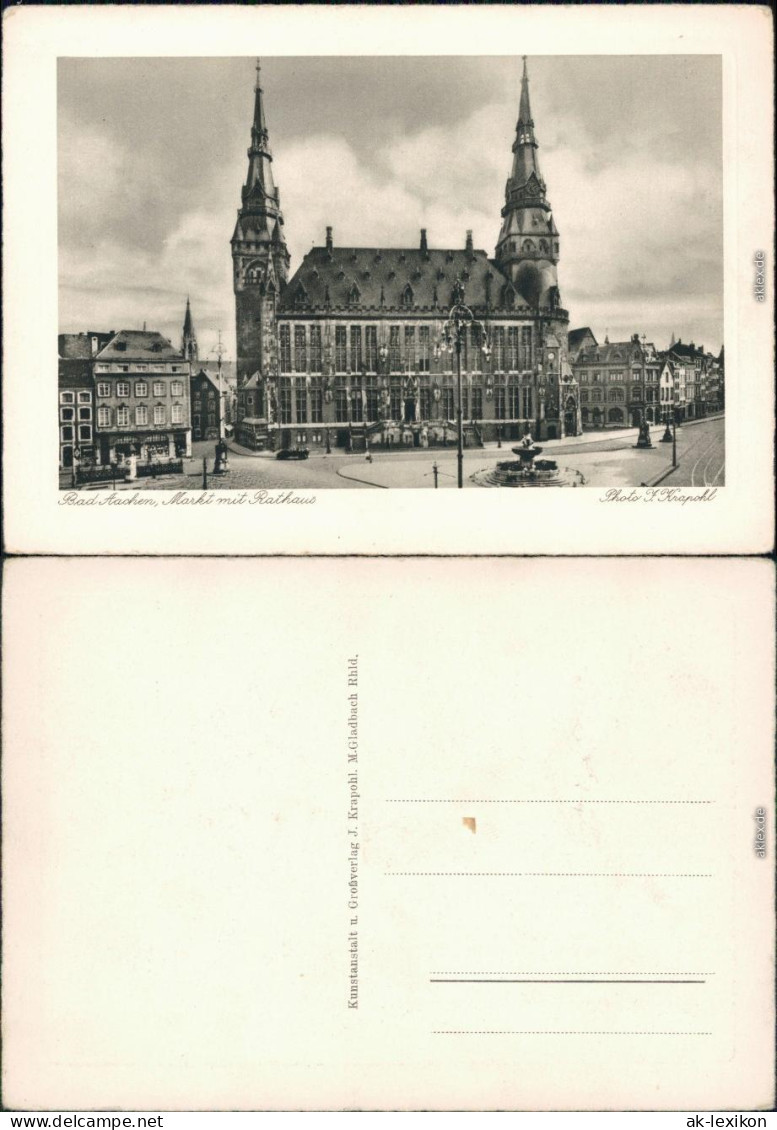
<point x="737" y="520"/>
<point x="556" y="900"/>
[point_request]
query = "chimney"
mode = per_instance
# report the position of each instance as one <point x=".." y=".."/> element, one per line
<point x="424" y="245"/>
<point x="469" y="243"/>
<point x="329" y="240"/>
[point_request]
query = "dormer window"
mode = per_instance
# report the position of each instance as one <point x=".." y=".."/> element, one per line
<point x="407" y="296"/>
<point x="353" y="295"/>
<point x="121" y="346"/>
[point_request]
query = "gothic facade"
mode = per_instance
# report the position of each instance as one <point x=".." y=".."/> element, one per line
<point x="344" y="351"/>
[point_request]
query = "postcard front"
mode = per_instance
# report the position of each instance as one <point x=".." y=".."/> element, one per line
<point x="538" y="278"/>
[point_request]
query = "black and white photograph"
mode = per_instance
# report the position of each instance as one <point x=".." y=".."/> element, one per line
<point x="382" y="272"/>
<point x="323" y="791"/>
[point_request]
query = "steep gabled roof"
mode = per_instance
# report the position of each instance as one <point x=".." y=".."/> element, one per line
<point x="392" y="278"/>
<point x="228" y="374"/>
<point x="612" y="352"/>
<point x="139" y="345"/>
<point x="687" y="351"/>
<point x="575" y="337"/>
<point x="210" y="377"/>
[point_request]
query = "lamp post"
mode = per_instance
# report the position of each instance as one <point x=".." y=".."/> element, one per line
<point x="460" y="317"/>
<point x="540" y="381"/>
<point x="674" y="436"/>
<point x="383" y="387"/>
<point x="220" y="349"/>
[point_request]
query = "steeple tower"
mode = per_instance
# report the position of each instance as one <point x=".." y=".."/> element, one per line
<point x="527" y="248"/>
<point x="260" y="257"/>
<point x="260" y="220"/>
<point x="259" y="184"/>
<point x="189" y="339"/>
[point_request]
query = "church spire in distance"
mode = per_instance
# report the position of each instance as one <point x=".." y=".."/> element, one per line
<point x="189" y="339"/>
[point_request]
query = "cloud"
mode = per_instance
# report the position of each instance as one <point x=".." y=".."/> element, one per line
<point x="323" y="183"/>
<point x="641" y="225"/>
<point x="640" y="238"/>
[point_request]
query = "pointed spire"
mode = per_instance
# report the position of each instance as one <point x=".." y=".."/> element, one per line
<point x="259" y="128"/>
<point x="524" y="112"/>
<point x="528" y="232"/>
<point x="259" y="184"/>
<point x="189" y="338"/>
<point x="525" y="161"/>
<point x="260" y="220"/>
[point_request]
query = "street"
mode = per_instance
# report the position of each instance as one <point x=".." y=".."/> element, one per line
<point x="605" y="460"/>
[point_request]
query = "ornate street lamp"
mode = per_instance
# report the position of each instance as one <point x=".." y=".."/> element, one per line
<point x="540" y="383"/>
<point x="460" y="317"/>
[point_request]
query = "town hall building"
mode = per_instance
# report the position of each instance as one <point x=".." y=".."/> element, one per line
<point x="343" y="351"/>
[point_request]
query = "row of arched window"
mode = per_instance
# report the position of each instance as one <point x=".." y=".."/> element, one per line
<point x="614" y="415"/>
<point x="615" y="395"/>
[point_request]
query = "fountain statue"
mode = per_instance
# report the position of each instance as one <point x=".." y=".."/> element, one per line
<point x="527" y="470"/>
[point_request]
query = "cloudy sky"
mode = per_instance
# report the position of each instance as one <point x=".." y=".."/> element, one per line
<point x="152" y="154"/>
